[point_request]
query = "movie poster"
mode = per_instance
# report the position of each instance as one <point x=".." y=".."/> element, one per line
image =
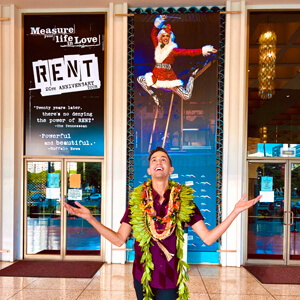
<point x="175" y="103"/>
<point x="64" y="84"/>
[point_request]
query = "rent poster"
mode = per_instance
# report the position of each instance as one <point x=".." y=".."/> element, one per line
<point x="176" y="100"/>
<point x="64" y="84"/>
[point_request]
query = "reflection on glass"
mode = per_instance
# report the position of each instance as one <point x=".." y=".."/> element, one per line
<point x="265" y="219"/>
<point x="43" y="207"/>
<point x="84" y="186"/>
<point x="273" y="124"/>
<point x="274" y="150"/>
<point x="295" y="208"/>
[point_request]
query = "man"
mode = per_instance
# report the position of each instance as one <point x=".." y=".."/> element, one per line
<point x="157" y="213"/>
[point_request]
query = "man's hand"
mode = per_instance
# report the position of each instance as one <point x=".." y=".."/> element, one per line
<point x="81" y="212"/>
<point x="117" y="238"/>
<point x="243" y="205"/>
<point x="210" y="236"/>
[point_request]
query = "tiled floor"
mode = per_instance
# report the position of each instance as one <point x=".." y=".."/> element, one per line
<point x="115" y="282"/>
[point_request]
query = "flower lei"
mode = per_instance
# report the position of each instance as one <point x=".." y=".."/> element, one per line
<point x="150" y="216"/>
<point x="143" y="218"/>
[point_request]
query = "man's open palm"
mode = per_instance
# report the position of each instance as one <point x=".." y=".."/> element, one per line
<point x="243" y="205"/>
<point x="81" y="212"/>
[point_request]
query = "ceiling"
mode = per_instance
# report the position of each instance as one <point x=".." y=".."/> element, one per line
<point x="105" y="3"/>
<point x="280" y="114"/>
<point x="133" y="3"/>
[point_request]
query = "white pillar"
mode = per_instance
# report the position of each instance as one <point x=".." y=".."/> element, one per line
<point x="11" y="136"/>
<point x="234" y="128"/>
<point x="119" y="123"/>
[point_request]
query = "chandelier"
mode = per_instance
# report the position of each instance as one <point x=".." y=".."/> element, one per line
<point x="263" y="134"/>
<point x="267" y="57"/>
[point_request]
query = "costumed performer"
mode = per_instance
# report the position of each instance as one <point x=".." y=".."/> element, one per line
<point x="166" y="51"/>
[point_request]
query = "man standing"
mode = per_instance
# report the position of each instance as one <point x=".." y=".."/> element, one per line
<point x="157" y="212"/>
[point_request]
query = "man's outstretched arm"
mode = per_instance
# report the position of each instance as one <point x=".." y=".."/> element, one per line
<point x="210" y="236"/>
<point x="116" y="238"/>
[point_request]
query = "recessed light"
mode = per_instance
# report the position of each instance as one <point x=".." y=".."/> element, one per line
<point x="288" y="96"/>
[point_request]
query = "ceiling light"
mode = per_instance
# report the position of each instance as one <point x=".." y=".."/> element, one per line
<point x="267" y="57"/>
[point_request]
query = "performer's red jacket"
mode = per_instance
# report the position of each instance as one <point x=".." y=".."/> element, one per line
<point x="163" y="76"/>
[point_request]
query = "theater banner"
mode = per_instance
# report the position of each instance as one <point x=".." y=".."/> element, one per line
<point x="64" y="84"/>
<point x="175" y="104"/>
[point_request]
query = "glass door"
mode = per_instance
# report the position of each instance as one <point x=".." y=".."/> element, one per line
<point x="43" y="218"/>
<point x="266" y="219"/>
<point x="50" y="231"/>
<point x="84" y="181"/>
<point x="273" y="223"/>
<point x="294" y="214"/>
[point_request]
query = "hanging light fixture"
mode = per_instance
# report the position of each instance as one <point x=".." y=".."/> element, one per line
<point x="263" y="134"/>
<point x="267" y="57"/>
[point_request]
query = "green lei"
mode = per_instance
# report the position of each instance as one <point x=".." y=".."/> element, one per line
<point x="187" y="207"/>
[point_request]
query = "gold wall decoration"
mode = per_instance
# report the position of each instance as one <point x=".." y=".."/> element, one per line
<point x="267" y="58"/>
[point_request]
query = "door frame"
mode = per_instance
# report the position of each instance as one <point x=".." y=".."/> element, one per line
<point x="287" y="161"/>
<point x="63" y="227"/>
<point x="288" y="260"/>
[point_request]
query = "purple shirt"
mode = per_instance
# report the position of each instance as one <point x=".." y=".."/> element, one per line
<point x="164" y="275"/>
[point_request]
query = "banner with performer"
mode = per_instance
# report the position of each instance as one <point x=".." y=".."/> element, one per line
<point x="175" y="102"/>
<point x="64" y="84"/>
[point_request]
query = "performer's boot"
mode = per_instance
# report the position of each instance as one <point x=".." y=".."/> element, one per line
<point x="186" y="93"/>
<point x="157" y="100"/>
<point x="194" y="73"/>
<point x="142" y="81"/>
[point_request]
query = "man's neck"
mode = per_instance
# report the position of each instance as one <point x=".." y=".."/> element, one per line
<point x="160" y="186"/>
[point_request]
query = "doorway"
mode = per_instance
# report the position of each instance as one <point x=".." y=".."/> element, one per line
<point x="274" y="222"/>
<point x="49" y="230"/>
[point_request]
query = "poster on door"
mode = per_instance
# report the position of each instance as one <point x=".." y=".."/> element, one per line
<point x="64" y="84"/>
<point x="266" y="191"/>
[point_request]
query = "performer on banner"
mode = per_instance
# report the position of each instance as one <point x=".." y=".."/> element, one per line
<point x="157" y="213"/>
<point x="166" y="51"/>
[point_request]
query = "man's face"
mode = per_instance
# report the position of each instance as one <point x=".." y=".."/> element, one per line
<point x="159" y="165"/>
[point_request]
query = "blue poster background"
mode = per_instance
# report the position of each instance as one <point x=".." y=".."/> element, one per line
<point x="190" y="138"/>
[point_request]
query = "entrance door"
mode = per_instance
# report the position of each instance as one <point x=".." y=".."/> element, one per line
<point x="294" y="214"/>
<point x="50" y="231"/>
<point x="273" y="223"/>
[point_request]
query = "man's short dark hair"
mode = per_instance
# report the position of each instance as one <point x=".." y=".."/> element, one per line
<point x="159" y="149"/>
